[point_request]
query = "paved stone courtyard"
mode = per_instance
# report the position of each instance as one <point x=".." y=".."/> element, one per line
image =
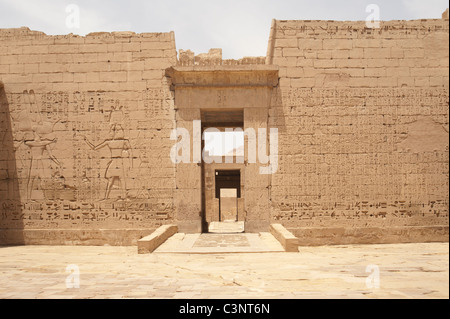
<point x="405" y="271"/>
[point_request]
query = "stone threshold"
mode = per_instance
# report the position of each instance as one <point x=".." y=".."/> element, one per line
<point x="220" y="244"/>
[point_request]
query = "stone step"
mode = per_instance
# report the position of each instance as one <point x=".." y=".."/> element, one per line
<point x="221" y="243"/>
<point x="226" y="227"/>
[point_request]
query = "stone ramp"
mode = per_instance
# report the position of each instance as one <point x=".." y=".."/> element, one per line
<point x="221" y="243"/>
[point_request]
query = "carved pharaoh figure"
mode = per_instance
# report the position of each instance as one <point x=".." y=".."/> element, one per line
<point x="37" y="134"/>
<point x="37" y="167"/>
<point x="120" y="149"/>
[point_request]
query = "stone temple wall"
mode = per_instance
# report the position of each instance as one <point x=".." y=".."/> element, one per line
<point x="85" y="129"/>
<point x="363" y="118"/>
<point x="362" y="114"/>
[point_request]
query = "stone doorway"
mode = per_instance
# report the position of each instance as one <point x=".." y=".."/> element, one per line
<point x="228" y="196"/>
<point x="221" y="97"/>
<point x="228" y="207"/>
<point x="223" y="167"/>
<point x="228" y="191"/>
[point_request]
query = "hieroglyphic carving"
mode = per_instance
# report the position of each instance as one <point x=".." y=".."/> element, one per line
<point x="358" y="29"/>
<point x="67" y="184"/>
<point x="69" y="213"/>
<point x="341" y="145"/>
<point x="157" y="103"/>
<point x="384" y="99"/>
<point x="362" y="213"/>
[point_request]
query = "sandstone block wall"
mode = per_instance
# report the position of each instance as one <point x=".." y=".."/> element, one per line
<point x="362" y="115"/>
<point x="85" y="137"/>
<point x="363" y="119"/>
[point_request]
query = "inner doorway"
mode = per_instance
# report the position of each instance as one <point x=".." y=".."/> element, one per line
<point x="228" y="207"/>
<point x="223" y="169"/>
<point x="229" y="217"/>
<point x="228" y="190"/>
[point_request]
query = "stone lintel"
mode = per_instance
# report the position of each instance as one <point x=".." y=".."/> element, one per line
<point x="223" y="76"/>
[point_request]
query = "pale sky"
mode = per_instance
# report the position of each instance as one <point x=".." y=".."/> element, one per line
<point x="220" y="144"/>
<point x="240" y="27"/>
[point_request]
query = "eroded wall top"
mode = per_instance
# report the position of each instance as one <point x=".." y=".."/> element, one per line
<point x="116" y="61"/>
<point x="349" y="54"/>
<point x="214" y="58"/>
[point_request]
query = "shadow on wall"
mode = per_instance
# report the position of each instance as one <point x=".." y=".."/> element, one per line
<point x="11" y="222"/>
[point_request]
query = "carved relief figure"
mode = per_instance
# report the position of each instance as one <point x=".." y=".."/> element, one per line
<point x="37" y="134"/>
<point x="38" y="148"/>
<point x="120" y="149"/>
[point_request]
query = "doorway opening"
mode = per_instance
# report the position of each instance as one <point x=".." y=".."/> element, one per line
<point x="228" y="190"/>
<point x="222" y="168"/>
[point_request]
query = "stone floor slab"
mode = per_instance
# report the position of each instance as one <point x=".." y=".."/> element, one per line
<point x="220" y="243"/>
<point x="226" y="227"/>
<point x="418" y="271"/>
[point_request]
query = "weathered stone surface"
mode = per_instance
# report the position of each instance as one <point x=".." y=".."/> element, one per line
<point x="285" y="237"/>
<point x="406" y="271"/>
<point x="362" y="119"/>
<point x="149" y="243"/>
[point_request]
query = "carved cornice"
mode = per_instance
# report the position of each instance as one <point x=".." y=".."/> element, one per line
<point x="223" y="76"/>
